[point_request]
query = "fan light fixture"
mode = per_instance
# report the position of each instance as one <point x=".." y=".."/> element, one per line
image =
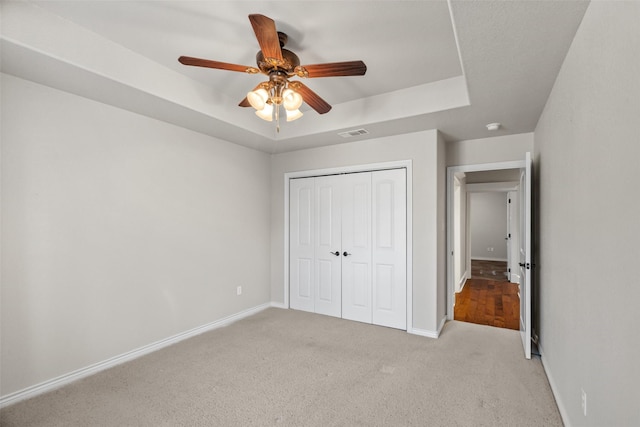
<point x="269" y="96"/>
<point x="280" y="64"/>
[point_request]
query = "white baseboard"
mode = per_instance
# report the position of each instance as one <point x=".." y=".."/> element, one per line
<point x="57" y="382"/>
<point x="462" y="282"/>
<point x="278" y="305"/>
<point x="554" y="389"/>
<point x="483" y="258"/>
<point x="427" y="333"/>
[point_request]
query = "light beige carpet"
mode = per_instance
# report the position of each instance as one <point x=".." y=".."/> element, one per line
<point x="284" y="367"/>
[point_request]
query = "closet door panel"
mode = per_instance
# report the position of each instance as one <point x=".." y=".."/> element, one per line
<point x="356" y="247"/>
<point x="389" y="233"/>
<point x="301" y="244"/>
<point x="328" y="249"/>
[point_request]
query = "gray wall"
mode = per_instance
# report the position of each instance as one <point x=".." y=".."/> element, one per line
<point x="489" y="150"/>
<point x="426" y="150"/>
<point x="118" y="231"/>
<point x="587" y="146"/>
<point x="488" y="225"/>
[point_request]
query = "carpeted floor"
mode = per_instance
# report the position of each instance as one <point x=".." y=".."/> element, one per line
<point x="284" y="367"/>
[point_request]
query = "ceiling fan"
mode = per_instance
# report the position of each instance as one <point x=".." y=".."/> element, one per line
<point x="280" y="65"/>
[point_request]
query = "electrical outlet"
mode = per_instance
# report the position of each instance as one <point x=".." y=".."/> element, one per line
<point x="239" y="290"/>
<point x="584" y="402"/>
<point x="489" y="249"/>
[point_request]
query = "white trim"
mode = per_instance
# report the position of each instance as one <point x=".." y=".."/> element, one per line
<point x="461" y="283"/>
<point x="500" y="187"/>
<point x="554" y="389"/>
<point x="484" y="258"/>
<point x="70" y="377"/>
<point x="427" y="333"/>
<point x="400" y="164"/>
<point x="278" y="305"/>
<point x="451" y="172"/>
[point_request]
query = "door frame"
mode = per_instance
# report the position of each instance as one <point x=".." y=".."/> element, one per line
<point x="491" y="187"/>
<point x="370" y="167"/>
<point x="451" y="171"/>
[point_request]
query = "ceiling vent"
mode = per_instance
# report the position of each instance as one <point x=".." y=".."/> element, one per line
<point x="355" y="132"/>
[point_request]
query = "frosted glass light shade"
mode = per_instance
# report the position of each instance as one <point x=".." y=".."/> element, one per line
<point x="291" y="100"/>
<point x="258" y="98"/>
<point x="266" y="113"/>
<point x="293" y="115"/>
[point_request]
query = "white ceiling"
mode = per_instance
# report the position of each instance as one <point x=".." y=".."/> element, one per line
<point x="453" y="66"/>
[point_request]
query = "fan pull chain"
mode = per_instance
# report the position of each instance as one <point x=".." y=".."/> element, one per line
<point x="278" y="118"/>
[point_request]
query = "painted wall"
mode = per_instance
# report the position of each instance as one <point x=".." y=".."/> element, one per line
<point x="428" y="218"/>
<point x="489" y="150"/>
<point x="586" y="165"/>
<point x="118" y="231"/>
<point x="488" y="225"/>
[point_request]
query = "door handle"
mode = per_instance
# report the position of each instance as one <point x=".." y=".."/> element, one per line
<point x="336" y="253"/>
<point x="345" y="253"/>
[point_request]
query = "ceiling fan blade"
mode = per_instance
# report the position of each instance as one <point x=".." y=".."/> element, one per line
<point x="311" y="98"/>
<point x="349" y="68"/>
<point x="265" y="29"/>
<point x="207" y="63"/>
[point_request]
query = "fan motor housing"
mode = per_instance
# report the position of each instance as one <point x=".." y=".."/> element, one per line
<point x="289" y="59"/>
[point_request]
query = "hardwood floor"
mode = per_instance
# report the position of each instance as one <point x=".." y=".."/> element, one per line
<point x="489" y="302"/>
<point x="494" y="270"/>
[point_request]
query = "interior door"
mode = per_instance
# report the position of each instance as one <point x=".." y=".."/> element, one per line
<point x="514" y="240"/>
<point x="301" y="244"/>
<point x="389" y="235"/>
<point x="525" y="256"/>
<point x="328" y="246"/>
<point x="356" y="247"/>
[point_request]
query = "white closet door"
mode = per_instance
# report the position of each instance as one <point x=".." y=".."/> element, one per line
<point x="356" y="247"/>
<point x="389" y="234"/>
<point x="328" y="248"/>
<point x="301" y="243"/>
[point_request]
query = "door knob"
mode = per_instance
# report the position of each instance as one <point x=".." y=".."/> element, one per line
<point x="336" y="253"/>
<point x="345" y="253"/>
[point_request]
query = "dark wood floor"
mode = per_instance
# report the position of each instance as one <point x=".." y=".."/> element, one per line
<point x="489" y="302"/>
<point x="494" y="270"/>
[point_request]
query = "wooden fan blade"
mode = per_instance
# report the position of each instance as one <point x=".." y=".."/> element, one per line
<point x="349" y="68"/>
<point x="187" y="60"/>
<point x="265" y="29"/>
<point x="311" y="98"/>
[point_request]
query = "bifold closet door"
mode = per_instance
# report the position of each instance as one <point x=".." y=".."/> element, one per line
<point x="348" y="246"/>
<point x="328" y="247"/>
<point x="356" y="247"/>
<point x="389" y="235"/>
<point x="302" y="244"/>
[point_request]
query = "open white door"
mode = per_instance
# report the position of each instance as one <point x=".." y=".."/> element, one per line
<point x="525" y="256"/>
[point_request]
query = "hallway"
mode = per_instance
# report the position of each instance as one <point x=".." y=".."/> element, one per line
<point x="489" y="302"/>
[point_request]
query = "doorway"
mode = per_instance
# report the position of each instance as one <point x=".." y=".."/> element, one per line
<point x="507" y="177"/>
<point x="486" y="295"/>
